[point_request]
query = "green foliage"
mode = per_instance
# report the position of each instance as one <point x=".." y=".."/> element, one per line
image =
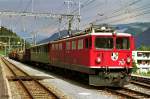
<point x="2" y="52"/>
<point x="148" y="72"/>
<point x="6" y="32"/>
<point x="4" y="37"/>
<point x="134" y="67"/>
<point x="145" y="74"/>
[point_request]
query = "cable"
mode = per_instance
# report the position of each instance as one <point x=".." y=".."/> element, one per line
<point x="121" y="14"/>
<point x="112" y="14"/>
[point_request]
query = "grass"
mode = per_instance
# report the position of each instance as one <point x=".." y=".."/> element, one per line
<point x="143" y="74"/>
<point x="2" y="52"/>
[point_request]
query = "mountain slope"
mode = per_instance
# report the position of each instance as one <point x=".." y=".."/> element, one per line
<point x="143" y="38"/>
<point x="141" y="31"/>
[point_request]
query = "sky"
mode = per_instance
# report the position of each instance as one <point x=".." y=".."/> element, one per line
<point x="92" y="11"/>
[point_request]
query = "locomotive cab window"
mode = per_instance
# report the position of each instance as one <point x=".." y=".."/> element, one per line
<point x="122" y="43"/>
<point x="104" y="43"/>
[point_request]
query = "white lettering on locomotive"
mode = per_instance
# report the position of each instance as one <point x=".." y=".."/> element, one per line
<point x="122" y="62"/>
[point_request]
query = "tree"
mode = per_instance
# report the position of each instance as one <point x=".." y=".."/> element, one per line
<point x="6" y="34"/>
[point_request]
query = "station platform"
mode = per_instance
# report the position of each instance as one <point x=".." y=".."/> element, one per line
<point x="4" y="90"/>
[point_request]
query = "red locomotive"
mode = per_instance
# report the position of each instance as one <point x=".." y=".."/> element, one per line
<point x="102" y="54"/>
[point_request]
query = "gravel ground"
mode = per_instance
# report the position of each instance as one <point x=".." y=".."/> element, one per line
<point x="138" y="88"/>
<point x="17" y="94"/>
<point x="67" y="88"/>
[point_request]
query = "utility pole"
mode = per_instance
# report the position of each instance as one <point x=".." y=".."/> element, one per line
<point x="34" y="37"/>
<point x="70" y="18"/>
<point x="32" y="5"/>
<point x="9" y="44"/>
<point x="60" y="19"/>
<point x="79" y="15"/>
<point x="79" y="7"/>
<point x="69" y="2"/>
<point x="5" y="49"/>
<point x="0" y="21"/>
<point x="24" y="41"/>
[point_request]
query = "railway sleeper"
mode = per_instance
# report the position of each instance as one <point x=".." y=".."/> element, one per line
<point x="27" y="78"/>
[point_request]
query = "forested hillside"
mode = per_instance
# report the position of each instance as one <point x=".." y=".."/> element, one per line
<point x="6" y="35"/>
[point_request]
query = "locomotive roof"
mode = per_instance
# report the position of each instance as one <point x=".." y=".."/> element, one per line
<point x="84" y="35"/>
<point x="93" y="34"/>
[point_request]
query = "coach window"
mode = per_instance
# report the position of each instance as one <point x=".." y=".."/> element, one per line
<point x="80" y="44"/>
<point x="56" y="47"/>
<point x="73" y="45"/>
<point x="47" y="48"/>
<point x="68" y="45"/>
<point x="40" y="49"/>
<point x="43" y="48"/>
<point x="37" y="49"/>
<point x="104" y="42"/>
<point x="60" y="46"/>
<point x="53" y="47"/>
<point x="34" y="49"/>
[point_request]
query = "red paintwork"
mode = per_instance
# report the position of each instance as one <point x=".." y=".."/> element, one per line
<point x="87" y="57"/>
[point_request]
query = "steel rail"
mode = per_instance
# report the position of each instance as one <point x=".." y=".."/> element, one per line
<point x="140" y="84"/>
<point x="20" y="81"/>
<point x="142" y="79"/>
<point x="36" y="81"/>
<point x="128" y="93"/>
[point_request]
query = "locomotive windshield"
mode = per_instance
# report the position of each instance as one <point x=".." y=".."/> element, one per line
<point x="122" y="43"/>
<point x="104" y="43"/>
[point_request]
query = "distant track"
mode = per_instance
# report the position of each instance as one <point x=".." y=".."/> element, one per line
<point x="141" y="79"/>
<point x="31" y="88"/>
<point x="144" y="85"/>
<point x="128" y="93"/>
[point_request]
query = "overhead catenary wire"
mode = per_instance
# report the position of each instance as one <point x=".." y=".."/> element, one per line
<point x="135" y="10"/>
<point x="133" y="16"/>
<point x="114" y="12"/>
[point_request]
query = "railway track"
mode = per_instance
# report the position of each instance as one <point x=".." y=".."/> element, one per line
<point x="128" y="93"/>
<point x="141" y="79"/>
<point x="144" y="85"/>
<point x="30" y="87"/>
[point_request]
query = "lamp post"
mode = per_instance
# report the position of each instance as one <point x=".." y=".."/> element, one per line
<point x="24" y="42"/>
<point x="5" y="45"/>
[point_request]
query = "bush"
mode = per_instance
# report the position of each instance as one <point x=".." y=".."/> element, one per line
<point x="134" y="67"/>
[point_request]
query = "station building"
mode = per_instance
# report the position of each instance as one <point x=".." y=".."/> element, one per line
<point x="142" y="60"/>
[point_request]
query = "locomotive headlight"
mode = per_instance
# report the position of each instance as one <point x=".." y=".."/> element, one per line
<point x="128" y="60"/>
<point x="98" y="60"/>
